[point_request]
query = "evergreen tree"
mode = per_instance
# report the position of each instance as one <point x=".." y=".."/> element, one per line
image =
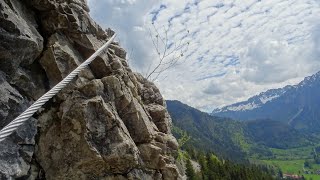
<point x="203" y="165"/>
<point x="213" y="168"/>
<point x="190" y="171"/>
<point x="280" y="173"/>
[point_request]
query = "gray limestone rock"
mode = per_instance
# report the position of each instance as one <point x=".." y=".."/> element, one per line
<point x="20" y="43"/>
<point x="108" y="123"/>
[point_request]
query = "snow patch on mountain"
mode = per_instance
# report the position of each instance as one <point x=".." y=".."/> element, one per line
<point x="255" y="101"/>
<point x="243" y="107"/>
<point x="265" y="99"/>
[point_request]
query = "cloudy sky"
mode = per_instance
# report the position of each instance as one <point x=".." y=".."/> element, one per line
<point x="232" y="49"/>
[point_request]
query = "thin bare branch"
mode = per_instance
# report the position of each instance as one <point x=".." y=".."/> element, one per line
<point x="168" y="55"/>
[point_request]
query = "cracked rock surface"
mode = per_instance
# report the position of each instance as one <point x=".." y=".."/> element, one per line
<point x="109" y="123"/>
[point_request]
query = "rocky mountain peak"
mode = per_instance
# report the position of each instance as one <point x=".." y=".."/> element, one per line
<point x="109" y="123"/>
<point x="310" y="80"/>
<point x="295" y="105"/>
<point x="270" y="95"/>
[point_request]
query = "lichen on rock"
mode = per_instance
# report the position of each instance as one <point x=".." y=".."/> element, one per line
<point x="109" y="123"/>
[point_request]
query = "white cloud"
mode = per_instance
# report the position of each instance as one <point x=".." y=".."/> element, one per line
<point x="238" y="48"/>
<point x="272" y="60"/>
<point x="127" y="18"/>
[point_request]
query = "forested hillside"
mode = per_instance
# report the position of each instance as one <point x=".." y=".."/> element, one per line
<point x="231" y="139"/>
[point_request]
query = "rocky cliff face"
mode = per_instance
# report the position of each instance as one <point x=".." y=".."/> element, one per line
<point x="109" y="123"/>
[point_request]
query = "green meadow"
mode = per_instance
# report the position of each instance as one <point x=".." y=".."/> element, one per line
<point x="291" y="161"/>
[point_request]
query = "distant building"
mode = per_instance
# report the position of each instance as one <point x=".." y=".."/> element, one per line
<point x="292" y="176"/>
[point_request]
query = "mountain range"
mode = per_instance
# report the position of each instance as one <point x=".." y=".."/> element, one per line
<point x="232" y="139"/>
<point x="298" y="106"/>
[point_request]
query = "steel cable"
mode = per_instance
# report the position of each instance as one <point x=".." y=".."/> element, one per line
<point x="13" y="125"/>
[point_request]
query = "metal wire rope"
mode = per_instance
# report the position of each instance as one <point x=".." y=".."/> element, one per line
<point x="13" y="125"/>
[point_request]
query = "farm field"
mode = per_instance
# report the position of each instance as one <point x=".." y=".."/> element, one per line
<point x="292" y="161"/>
<point x="295" y="167"/>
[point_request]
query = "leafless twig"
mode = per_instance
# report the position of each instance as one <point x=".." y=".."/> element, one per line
<point x="168" y="54"/>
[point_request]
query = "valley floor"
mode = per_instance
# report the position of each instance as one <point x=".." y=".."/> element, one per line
<point x="292" y="162"/>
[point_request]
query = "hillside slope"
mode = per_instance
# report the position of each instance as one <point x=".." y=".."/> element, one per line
<point x="231" y="139"/>
<point x="209" y="133"/>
